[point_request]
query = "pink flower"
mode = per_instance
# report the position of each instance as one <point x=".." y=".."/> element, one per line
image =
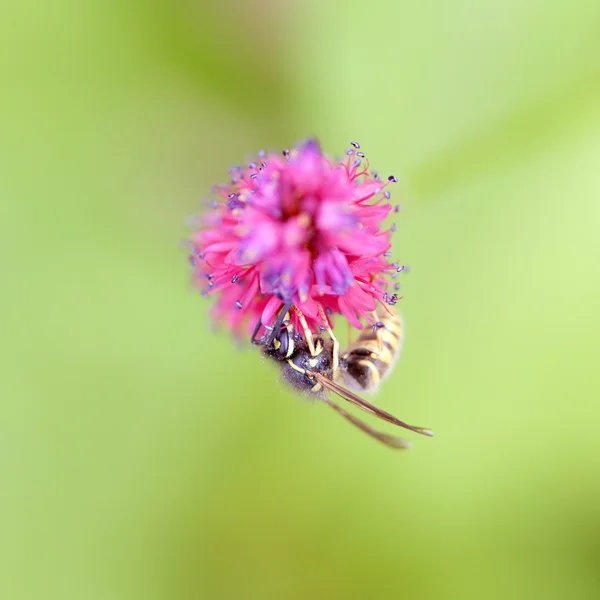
<point x="297" y="228"/>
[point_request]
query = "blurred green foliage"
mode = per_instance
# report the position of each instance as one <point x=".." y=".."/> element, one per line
<point x="143" y="456"/>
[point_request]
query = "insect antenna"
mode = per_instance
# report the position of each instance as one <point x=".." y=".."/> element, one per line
<point x="255" y="332"/>
<point x="278" y="322"/>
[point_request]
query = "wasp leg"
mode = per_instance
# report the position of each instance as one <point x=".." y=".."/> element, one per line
<point x="336" y="343"/>
<point x="350" y="332"/>
<point x="306" y="330"/>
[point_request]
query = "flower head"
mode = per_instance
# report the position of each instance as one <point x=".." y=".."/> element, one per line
<point x="297" y="228"/>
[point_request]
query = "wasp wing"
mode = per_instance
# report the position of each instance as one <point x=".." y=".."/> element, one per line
<point x="351" y="397"/>
<point x="389" y="440"/>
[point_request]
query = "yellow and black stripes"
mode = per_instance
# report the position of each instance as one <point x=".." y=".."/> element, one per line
<point x="285" y="343"/>
<point x="372" y="355"/>
<point x="311" y="368"/>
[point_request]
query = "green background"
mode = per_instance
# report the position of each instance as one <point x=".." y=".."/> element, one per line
<point x="144" y="456"/>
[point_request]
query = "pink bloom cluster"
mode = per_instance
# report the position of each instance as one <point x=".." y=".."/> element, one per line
<point x="297" y="227"/>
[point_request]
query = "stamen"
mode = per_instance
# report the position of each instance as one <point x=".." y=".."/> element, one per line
<point x="234" y="230"/>
<point x="378" y="325"/>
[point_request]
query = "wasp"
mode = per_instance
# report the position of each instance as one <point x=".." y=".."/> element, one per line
<point x="314" y="366"/>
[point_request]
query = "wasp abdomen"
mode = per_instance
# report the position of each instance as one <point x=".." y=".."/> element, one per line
<point x="373" y="354"/>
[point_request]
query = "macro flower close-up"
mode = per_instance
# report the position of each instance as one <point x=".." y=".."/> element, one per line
<point x="219" y="382"/>
<point x="301" y="228"/>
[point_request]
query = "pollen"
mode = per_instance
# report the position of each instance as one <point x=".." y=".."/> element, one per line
<point x="304" y="220"/>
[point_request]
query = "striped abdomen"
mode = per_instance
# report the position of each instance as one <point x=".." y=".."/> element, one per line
<point x="371" y="357"/>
